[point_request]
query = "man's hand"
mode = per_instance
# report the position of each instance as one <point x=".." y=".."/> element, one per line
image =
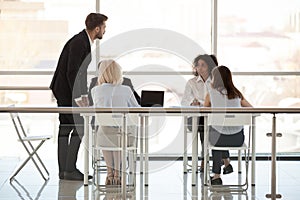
<point x="82" y="101"/>
<point x="85" y="100"/>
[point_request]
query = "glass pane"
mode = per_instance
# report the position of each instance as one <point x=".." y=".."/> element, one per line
<point x="250" y="38"/>
<point x="287" y="124"/>
<point x="172" y="28"/>
<point x="259" y="35"/>
<point x="33" y="33"/>
<point x="274" y="91"/>
<point x="47" y="125"/>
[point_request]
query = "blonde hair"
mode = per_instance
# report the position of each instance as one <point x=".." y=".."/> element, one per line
<point x="110" y="72"/>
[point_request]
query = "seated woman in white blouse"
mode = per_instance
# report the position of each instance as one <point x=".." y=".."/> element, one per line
<point x="111" y="93"/>
<point x="223" y="93"/>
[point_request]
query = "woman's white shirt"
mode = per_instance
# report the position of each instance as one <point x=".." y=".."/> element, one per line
<point x="221" y="100"/>
<point x="109" y="95"/>
<point x="195" y="88"/>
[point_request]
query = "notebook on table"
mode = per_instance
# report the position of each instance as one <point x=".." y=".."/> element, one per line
<point x="150" y="98"/>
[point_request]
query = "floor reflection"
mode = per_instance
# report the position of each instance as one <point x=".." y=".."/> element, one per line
<point x="24" y="193"/>
<point x="166" y="183"/>
<point x="68" y="189"/>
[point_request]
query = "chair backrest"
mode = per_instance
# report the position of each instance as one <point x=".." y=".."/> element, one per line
<point x="110" y="127"/>
<point x="18" y="125"/>
<point x="116" y="120"/>
<point x="228" y="119"/>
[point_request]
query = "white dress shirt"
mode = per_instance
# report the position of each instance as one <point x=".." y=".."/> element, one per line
<point x="195" y="88"/>
<point x="109" y="95"/>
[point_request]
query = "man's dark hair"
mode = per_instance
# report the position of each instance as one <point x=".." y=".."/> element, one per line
<point x="94" y="19"/>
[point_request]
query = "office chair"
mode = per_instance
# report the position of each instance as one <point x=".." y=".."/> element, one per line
<point x="229" y="120"/>
<point x="111" y="141"/>
<point x="26" y="141"/>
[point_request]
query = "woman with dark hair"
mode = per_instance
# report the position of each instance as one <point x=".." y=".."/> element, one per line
<point x="223" y="93"/>
<point x="196" y="88"/>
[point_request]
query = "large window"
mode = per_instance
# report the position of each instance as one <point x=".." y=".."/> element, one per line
<point x="263" y="37"/>
<point x="256" y="37"/>
<point x="155" y="43"/>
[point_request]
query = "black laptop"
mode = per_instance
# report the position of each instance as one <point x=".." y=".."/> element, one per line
<point x="151" y="98"/>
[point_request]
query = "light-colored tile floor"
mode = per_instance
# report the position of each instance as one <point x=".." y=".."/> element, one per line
<point x="166" y="181"/>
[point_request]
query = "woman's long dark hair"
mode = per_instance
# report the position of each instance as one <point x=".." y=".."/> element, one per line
<point x="210" y="60"/>
<point x="222" y="79"/>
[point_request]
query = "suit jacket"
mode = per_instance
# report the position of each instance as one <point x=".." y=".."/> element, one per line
<point x="126" y="81"/>
<point x="70" y="77"/>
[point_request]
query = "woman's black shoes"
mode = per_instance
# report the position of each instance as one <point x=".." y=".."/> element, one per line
<point x="228" y="169"/>
<point x="217" y="181"/>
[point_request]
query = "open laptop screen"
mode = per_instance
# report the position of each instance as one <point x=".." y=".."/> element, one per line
<point x="152" y="98"/>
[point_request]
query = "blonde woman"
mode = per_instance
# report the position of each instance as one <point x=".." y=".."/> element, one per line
<point x="111" y="93"/>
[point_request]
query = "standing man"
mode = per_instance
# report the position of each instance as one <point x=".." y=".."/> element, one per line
<point x="69" y="86"/>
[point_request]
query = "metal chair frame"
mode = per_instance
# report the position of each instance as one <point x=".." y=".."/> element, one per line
<point x="229" y="120"/>
<point x="115" y="120"/>
<point x="26" y="141"/>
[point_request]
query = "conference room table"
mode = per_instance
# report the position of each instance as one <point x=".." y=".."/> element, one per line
<point x="193" y="111"/>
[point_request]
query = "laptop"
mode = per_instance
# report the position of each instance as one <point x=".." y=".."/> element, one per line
<point x="151" y="98"/>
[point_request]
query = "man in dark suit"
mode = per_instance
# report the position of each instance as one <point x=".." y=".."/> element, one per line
<point x="69" y="86"/>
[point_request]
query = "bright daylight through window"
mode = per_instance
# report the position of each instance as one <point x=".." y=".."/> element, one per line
<point x="155" y="43"/>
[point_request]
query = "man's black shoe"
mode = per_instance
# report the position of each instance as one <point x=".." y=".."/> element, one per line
<point x="228" y="169"/>
<point x="75" y="175"/>
<point x="61" y="175"/>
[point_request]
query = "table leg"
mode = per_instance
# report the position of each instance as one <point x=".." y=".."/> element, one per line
<point x="146" y="150"/>
<point x="253" y="157"/>
<point x="86" y="193"/>
<point x="86" y="150"/>
<point x="142" y="137"/>
<point x="194" y="151"/>
<point x="273" y="194"/>
<point x="205" y="153"/>
<point x="124" y="149"/>
<point x="185" y="160"/>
